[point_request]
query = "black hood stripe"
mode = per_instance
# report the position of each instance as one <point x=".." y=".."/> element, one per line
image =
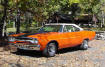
<point x="25" y="35"/>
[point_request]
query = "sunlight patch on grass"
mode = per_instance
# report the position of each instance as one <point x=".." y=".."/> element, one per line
<point x="11" y="29"/>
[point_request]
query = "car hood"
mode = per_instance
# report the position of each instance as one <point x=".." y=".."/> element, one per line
<point x="34" y="35"/>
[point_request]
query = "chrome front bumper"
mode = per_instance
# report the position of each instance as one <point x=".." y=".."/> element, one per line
<point x="26" y="47"/>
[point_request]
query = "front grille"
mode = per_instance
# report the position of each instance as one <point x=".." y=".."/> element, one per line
<point x="23" y="38"/>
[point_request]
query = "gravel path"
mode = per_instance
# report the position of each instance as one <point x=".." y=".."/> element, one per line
<point x="71" y="57"/>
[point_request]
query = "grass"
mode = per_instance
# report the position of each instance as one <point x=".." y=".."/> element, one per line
<point x="11" y="30"/>
<point x="14" y="29"/>
<point x="32" y="29"/>
<point x="98" y="29"/>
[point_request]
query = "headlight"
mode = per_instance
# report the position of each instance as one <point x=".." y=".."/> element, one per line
<point x="11" y="39"/>
<point x="34" y="40"/>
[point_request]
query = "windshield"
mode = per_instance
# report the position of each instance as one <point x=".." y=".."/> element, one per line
<point x="51" y="28"/>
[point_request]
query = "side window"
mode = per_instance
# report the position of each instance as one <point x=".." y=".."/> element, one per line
<point x="64" y="29"/>
<point x="70" y="28"/>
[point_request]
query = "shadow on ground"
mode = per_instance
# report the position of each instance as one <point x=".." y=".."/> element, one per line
<point x="29" y="53"/>
<point x="66" y="50"/>
<point x="39" y="54"/>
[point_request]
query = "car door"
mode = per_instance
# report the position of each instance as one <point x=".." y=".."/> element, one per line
<point x="78" y="33"/>
<point x="73" y="35"/>
<point x="67" y="32"/>
<point x="63" y="38"/>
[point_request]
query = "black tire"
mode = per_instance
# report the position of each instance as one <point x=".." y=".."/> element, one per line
<point x="50" y="50"/>
<point x="84" y="45"/>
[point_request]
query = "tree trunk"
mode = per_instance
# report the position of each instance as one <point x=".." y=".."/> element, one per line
<point x="3" y="38"/>
<point x="18" y="21"/>
<point x="3" y="18"/>
<point x="28" y="21"/>
<point x="4" y="29"/>
<point x="103" y="18"/>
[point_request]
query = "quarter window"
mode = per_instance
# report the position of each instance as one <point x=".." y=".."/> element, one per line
<point x="76" y="29"/>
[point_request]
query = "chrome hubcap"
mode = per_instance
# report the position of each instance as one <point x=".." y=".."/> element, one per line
<point x="51" y="49"/>
<point x="85" y="44"/>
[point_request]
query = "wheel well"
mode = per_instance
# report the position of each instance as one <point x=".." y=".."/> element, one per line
<point x="86" y="39"/>
<point x="56" y="43"/>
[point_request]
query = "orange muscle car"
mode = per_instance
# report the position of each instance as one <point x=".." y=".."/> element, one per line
<point x="53" y="37"/>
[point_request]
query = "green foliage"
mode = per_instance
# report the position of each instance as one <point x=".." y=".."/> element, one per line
<point x="74" y="1"/>
<point x="42" y="9"/>
<point x="1" y="10"/>
<point x="90" y="6"/>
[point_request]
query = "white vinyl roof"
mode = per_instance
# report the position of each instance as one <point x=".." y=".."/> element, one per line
<point x="60" y="24"/>
<point x="65" y="24"/>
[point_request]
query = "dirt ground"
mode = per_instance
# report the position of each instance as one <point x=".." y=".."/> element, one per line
<point x="70" y="57"/>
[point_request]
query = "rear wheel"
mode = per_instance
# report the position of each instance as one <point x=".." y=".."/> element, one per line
<point x="84" y="45"/>
<point x="50" y="50"/>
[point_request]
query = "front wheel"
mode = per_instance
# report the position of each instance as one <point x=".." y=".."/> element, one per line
<point x="20" y="50"/>
<point x="50" y="50"/>
<point x="84" y="45"/>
